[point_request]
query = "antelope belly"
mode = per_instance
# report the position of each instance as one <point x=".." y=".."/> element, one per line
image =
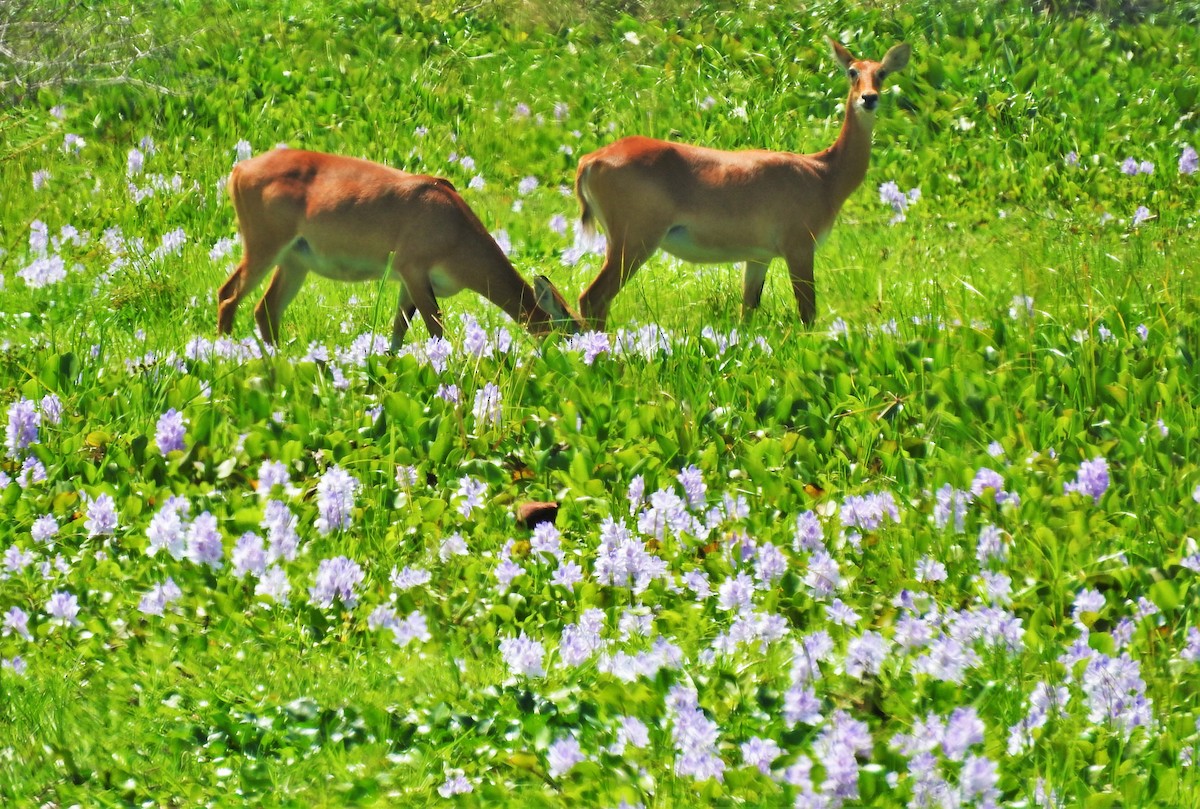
<point x="337" y="267"/>
<point x="682" y="243"/>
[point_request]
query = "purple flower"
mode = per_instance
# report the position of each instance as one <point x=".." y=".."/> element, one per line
<point x="1140" y="215"/>
<point x="1072" y="158"/>
<point x="453" y="545"/>
<point x="1092" y="479"/>
<point x="950" y="504"/>
<point x="101" y="516"/>
<point x="808" y="534"/>
<point x="44" y="528"/>
<point x="249" y="555"/>
<point x="568" y="574"/>
<point x="456" y="783"/>
<point x="204" y="545"/>
<point x="623" y="561"/>
<point x="1129" y="167"/>
<point x="336" y="578"/>
<point x="409" y="578"/>
<point x="1190" y="652"/>
<point x="865" y="654"/>
<point x="591" y="344"/>
<point x="759" y="753"/>
<point x="16" y="622"/>
<point x="1115" y="693"/>
<point x="242" y="151"/>
<point x="169" y="432"/>
<point x="63" y="607"/>
<point x="1188" y="161"/>
<point x="840" y="614"/>
<point x="563" y="755"/>
<point x="42" y="176"/>
<point x="280" y="525"/>
<point x="736" y="593"/>
<point x="472" y="493"/>
<point x="274" y="584"/>
<point x="930" y="570"/>
<point x="694" y="488"/>
<point x="991" y="545"/>
<point x="631" y="732"/>
<point x="159" y="598"/>
<point x="580" y="641"/>
<point x="270" y="475"/>
<point x="823" y="576"/>
<point x="523" y="656"/>
<point x="23" y="422"/>
<point x="867" y="512"/>
<point x="168" y="529"/>
<point x="964" y="729"/>
<point x="694" y="735"/>
<point x="527" y="185"/>
<point x="335" y="500"/>
<point x="769" y="564"/>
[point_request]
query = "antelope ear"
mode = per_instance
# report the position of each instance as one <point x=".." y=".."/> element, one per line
<point x="844" y="57"/>
<point x="549" y="298"/>
<point x="897" y="57"/>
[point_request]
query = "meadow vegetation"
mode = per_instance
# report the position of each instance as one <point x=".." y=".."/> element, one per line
<point x="938" y="550"/>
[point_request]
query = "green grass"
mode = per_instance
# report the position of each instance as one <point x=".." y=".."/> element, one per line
<point x="921" y="357"/>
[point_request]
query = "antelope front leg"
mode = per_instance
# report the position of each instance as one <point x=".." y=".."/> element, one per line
<point x="800" y="267"/>
<point x="419" y="294"/>
<point x="404" y="315"/>
<point x="756" y="276"/>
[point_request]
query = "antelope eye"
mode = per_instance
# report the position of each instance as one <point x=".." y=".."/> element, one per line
<point x="881" y="73"/>
<point x="852" y="73"/>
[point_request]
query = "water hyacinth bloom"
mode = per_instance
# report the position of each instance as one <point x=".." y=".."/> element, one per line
<point x="204" y="545"/>
<point x="242" y="151"/>
<point x="1140" y="215"/>
<point x="270" y="475"/>
<point x="63" y="608"/>
<point x="274" y="584"/>
<point x="336" y="578"/>
<point x="409" y="578"/>
<point x="101" y="516"/>
<point x="890" y="194"/>
<point x="1116" y="694"/>
<point x="563" y="755"/>
<point x="249" y="555"/>
<point x="159" y="598"/>
<point x="1189" y="162"/>
<point x="1091" y="480"/>
<point x="335" y="500"/>
<point x="169" y="432"/>
<point x="523" y="656"/>
<point x="760" y="753"/>
<point x="168" y="528"/>
<point x="16" y="622"/>
<point x="1129" y="167"/>
<point x="44" y="528"/>
<point x="456" y="783"/>
<point x="487" y="408"/>
<point x="694" y="735"/>
<point x="472" y="493"/>
<point x="42" y="176"/>
<point x="24" y="420"/>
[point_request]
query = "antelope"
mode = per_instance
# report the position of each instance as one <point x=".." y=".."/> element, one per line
<point x="707" y="205"/>
<point x="350" y="220"/>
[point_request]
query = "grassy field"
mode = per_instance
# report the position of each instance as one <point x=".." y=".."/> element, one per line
<point x="937" y="550"/>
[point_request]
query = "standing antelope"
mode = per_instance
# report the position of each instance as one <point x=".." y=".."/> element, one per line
<point x="706" y="205"/>
<point x="343" y="218"/>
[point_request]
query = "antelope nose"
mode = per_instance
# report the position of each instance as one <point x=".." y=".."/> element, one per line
<point x="870" y="101"/>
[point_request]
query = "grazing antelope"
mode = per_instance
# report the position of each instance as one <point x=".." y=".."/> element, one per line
<point x="706" y="205"/>
<point x="343" y="218"/>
